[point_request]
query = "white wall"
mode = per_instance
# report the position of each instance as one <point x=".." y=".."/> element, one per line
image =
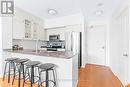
<point x="7" y="32"/>
<point x="84" y="41"/>
<point x="64" y="21"/>
<point x="0" y="47"/>
<point x="5" y="38"/>
<point x="119" y="27"/>
<point x="129" y="41"/>
<point x="26" y="44"/>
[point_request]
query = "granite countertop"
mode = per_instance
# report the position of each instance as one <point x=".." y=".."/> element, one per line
<point x="56" y="54"/>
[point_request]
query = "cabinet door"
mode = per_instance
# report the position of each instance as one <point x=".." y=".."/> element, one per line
<point x="18" y="29"/>
<point x="41" y="33"/>
<point x="35" y="31"/>
<point x="28" y="26"/>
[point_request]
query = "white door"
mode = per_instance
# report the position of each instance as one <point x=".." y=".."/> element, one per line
<point x="96" y="45"/>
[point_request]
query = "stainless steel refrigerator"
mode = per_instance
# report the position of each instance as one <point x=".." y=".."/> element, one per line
<point x="73" y="42"/>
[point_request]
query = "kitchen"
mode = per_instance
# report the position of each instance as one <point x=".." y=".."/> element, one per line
<point x="30" y="39"/>
<point x="68" y="43"/>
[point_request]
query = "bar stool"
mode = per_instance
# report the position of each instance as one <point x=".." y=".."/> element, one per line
<point x="10" y="62"/>
<point x="31" y="65"/>
<point x="46" y="68"/>
<point x="19" y="66"/>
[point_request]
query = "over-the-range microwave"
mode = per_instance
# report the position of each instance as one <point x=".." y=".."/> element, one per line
<point x="54" y="37"/>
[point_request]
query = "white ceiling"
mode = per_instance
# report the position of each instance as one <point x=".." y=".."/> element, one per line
<point x="69" y="7"/>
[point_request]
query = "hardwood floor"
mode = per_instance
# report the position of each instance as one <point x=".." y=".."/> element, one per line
<point x="97" y="76"/>
<point x="128" y="85"/>
<point x="6" y="84"/>
<point x="90" y="76"/>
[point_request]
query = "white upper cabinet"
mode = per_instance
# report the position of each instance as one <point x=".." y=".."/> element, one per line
<point x="18" y="28"/>
<point x="41" y="33"/>
<point x="28" y="32"/>
<point x="27" y="26"/>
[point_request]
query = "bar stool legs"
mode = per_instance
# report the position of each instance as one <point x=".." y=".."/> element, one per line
<point x="47" y="78"/>
<point x="11" y="64"/>
<point x="32" y="75"/>
<point x="9" y="74"/>
<point x="47" y="68"/>
<point x="23" y="71"/>
<point x="19" y="70"/>
<point x="32" y="65"/>
<point x="5" y="71"/>
<point x="54" y="76"/>
<point x="20" y="67"/>
<point x="14" y="73"/>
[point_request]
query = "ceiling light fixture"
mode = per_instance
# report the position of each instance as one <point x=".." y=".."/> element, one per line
<point x="52" y="12"/>
<point x="99" y="12"/>
<point x="100" y="4"/>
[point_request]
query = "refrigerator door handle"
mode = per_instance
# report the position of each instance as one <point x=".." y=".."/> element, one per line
<point x="71" y="41"/>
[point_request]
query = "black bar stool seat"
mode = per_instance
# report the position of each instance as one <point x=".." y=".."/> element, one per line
<point x="32" y="63"/>
<point x="46" y="66"/>
<point x="11" y="59"/>
<point x="21" y="60"/>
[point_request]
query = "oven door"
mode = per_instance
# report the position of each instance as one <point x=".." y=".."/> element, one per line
<point x="51" y="49"/>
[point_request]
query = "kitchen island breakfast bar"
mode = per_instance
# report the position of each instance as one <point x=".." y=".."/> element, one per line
<point x="66" y="62"/>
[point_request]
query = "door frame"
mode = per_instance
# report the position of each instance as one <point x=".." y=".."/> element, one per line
<point x="129" y="49"/>
<point x="129" y="55"/>
<point x="106" y="41"/>
<point x="129" y="44"/>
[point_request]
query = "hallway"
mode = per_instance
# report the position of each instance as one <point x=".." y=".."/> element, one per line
<point x="97" y="76"/>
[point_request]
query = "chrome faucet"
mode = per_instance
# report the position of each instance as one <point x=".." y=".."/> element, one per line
<point x="36" y="47"/>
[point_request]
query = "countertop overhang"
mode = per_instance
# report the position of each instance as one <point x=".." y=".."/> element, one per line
<point x="56" y="54"/>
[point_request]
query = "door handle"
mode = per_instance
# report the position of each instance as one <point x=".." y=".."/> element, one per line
<point x="103" y="47"/>
<point x="125" y="54"/>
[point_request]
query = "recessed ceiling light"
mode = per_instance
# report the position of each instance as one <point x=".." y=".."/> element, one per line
<point x="99" y="12"/>
<point x="52" y="12"/>
<point x="100" y="4"/>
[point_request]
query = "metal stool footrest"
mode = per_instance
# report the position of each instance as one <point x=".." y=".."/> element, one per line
<point x="47" y="81"/>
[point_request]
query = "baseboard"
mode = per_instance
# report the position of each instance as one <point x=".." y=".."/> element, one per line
<point x="125" y="85"/>
<point x="83" y="66"/>
<point x="76" y="83"/>
<point x="128" y="85"/>
<point x="116" y="77"/>
<point x="1" y="76"/>
<point x="119" y="80"/>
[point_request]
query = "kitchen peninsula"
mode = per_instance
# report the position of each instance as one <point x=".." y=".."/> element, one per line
<point x="66" y="62"/>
